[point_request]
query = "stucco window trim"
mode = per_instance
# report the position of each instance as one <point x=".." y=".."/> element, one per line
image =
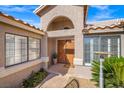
<point x="16" y="68"/>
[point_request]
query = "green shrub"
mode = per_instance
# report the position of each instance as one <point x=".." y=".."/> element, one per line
<point x="54" y="55"/>
<point x="113" y="69"/>
<point x="35" y="78"/>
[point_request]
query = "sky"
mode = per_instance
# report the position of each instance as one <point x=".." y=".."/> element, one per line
<point x="95" y="12"/>
<point x="105" y="12"/>
<point x="23" y="12"/>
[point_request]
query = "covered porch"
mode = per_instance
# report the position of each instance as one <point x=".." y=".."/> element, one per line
<point x="64" y="38"/>
<point x="63" y="47"/>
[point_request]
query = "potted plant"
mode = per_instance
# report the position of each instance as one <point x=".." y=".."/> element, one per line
<point x="54" y="57"/>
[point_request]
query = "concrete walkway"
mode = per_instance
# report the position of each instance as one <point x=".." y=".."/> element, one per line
<point x="55" y="81"/>
<point x="60" y="76"/>
<point x="78" y="71"/>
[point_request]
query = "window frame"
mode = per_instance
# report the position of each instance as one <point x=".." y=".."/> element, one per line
<point x="27" y="49"/>
<point x="39" y="46"/>
<point x="118" y="37"/>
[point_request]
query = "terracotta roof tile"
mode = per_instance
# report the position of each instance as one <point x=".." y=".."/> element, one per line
<point x="18" y="20"/>
<point x="105" y="24"/>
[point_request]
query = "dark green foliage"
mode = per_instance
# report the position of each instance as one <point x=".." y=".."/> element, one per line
<point x="54" y="55"/>
<point x="34" y="79"/>
<point x="113" y="69"/>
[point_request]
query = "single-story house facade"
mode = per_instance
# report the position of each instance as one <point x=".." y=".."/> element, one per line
<point x="65" y="32"/>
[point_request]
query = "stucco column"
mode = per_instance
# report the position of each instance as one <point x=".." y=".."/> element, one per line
<point x="44" y="51"/>
<point x="122" y="45"/>
<point x="78" y="60"/>
<point x="2" y="50"/>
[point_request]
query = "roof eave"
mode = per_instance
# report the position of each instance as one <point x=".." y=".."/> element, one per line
<point x="37" y="10"/>
<point x="4" y="18"/>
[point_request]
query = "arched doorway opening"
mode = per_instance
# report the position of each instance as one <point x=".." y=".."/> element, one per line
<point x="60" y="23"/>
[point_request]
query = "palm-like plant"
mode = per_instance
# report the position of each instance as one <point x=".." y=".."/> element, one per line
<point x="119" y="73"/>
<point x="113" y="69"/>
<point x="95" y="72"/>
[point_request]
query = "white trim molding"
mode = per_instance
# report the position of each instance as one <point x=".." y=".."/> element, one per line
<point x="45" y="59"/>
<point x="118" y="47"/>
<point x="78" y="61"/>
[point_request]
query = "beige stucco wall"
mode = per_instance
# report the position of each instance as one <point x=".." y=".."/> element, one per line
<point x="15" y="30"/>
<point x="16" y="79"/>
<point x="13" y="76"/>
<point x="51" y="48"/>
<point x="1" y="47"/>
<point x="61" y="33"/>
<point x="75" y="14"/>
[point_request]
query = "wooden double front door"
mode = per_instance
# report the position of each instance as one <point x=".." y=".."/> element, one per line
<point x="65" y="51"/>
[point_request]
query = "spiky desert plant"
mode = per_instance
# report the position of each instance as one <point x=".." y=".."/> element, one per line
<point x="95" y="72"/>
<point x="113" y="69"/>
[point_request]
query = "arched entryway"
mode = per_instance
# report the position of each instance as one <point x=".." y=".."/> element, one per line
<point x="60" y="23"/>
<point x="61" y="42"/>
